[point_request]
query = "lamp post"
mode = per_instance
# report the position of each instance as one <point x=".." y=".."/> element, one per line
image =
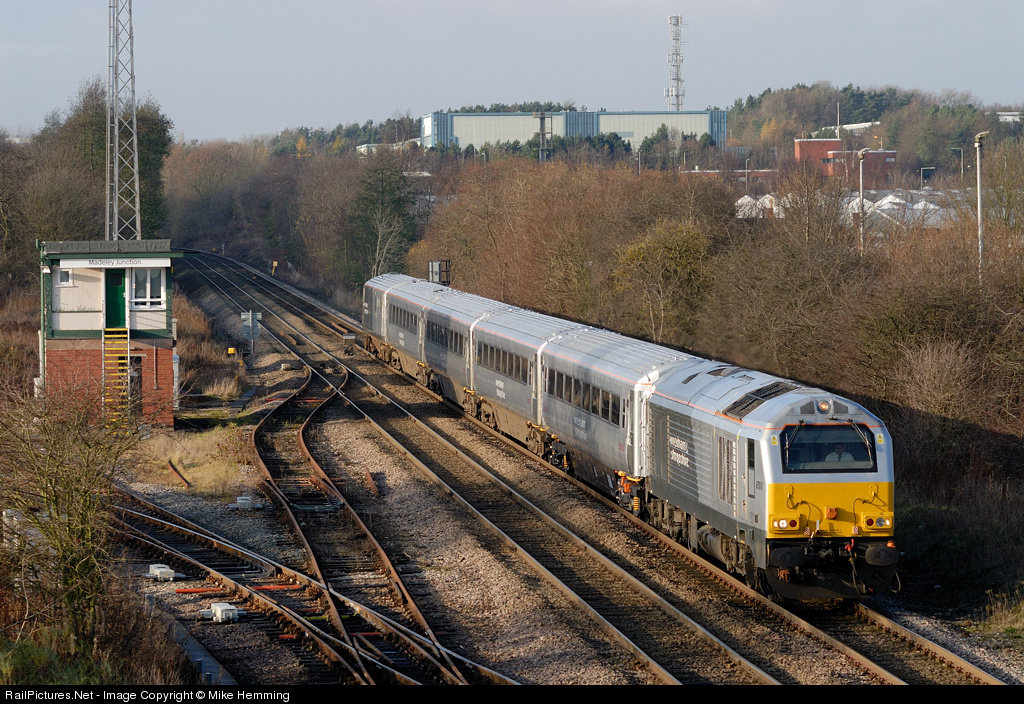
<point x="958" y="149"/>
<point x="923" y="169"/>
<point x="977" y="145"/>
<point x="860" y="158"/>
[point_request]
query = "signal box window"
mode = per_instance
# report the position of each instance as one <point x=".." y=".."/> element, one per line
<point x="148" y="290"/>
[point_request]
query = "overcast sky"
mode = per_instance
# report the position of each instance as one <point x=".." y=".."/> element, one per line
<point x="233" y="68"/>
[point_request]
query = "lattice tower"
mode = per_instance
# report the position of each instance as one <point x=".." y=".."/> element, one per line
<point x="124" y="219"/>
<point x="675" y="92"/>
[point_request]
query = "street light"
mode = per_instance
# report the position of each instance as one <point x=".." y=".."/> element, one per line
<point x="860" y="157"/>
<point x="923" y="169"/>
<point x="977" y="145"/>
<point x="958" y="149"/>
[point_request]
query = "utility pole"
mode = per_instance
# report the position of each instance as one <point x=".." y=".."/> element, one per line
<point x="544" y="132"/>
<point x="124" y="216"/>
<point x="860" y="158"/>
<point x="977" y="145"/>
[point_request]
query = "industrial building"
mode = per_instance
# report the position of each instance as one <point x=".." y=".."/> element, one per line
<point x="833" y="160"/>
<point x="443" y="129"/>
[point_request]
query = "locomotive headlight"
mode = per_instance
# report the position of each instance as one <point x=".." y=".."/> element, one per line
<point x="788" y="523"/>
<point x="877" y="522"/>
<point x="823" y="406"/>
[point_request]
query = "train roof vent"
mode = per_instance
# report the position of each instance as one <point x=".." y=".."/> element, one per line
<point x="751" y="400"/>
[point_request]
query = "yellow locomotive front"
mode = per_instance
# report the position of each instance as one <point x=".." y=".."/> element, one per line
<point x="829" y="510"/>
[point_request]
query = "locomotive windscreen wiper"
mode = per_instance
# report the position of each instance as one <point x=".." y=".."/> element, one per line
<point x="860" y="432"/>
<point x="789" y="441"/>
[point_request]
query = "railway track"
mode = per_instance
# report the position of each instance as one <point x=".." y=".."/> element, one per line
<point x="335" y="538"/>
<point x="678" y="652"/>
<point x="907" y="656"/>
<point x="565" y="561"/>
<point x="293" y="608"/>
<point x="332" y="535"/>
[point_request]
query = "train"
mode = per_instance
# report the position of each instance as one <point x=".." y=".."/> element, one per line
<point x="789" y="487"/>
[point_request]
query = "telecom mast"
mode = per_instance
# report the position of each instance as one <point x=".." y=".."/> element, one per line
<point x="675" y="92"/>
<point x="124" y="219"/>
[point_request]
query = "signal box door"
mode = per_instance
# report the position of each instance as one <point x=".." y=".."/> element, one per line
<point x="115" y="301"/>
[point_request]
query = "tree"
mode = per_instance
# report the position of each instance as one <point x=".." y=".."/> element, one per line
<point x="61" y="202"/>
<point x="72" y="148"/>
<point x="381" y="221"/>
<point x="326" y="191"/>
<point x="780" y="298"/>
<point x="663" y="271"/>
<point x="18" y="259"/>
<point x="154" y="130"/>
<point x="58" y="463"/>
<point x="387" y="240"/>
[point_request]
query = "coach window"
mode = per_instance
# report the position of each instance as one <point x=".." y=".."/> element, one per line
<point x="585" y="400"/>
<point x="595" y="401"/>
<point x="616" y="416"/>
<point x="606" y="404"/>
<point x="559" y="382"/>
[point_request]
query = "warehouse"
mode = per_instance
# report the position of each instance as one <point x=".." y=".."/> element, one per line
<point x="443" y="129"/>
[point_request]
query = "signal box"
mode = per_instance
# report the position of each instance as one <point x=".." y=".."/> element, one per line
<point x="108" y="332"/>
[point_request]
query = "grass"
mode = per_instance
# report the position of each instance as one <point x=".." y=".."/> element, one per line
<point x="131" y="646"/>
<point x="209" y="460"/>
<point x="206" y="368"/>
<point x="966" y="554"/>
<point x="1005" y="612"/>
<point x="30" y="663"/>
<point x="19" y="340"/>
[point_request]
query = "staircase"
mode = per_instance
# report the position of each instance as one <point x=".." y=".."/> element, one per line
<point x="115" y="375"/>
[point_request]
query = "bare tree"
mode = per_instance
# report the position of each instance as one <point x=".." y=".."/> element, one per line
<point x="57" y="465"/>
<point x="387" y="232"/>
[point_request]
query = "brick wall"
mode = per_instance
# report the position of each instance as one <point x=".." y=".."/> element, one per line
<point x="74" y="371"/>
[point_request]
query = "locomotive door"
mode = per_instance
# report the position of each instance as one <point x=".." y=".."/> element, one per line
<point x="750" y="479"/>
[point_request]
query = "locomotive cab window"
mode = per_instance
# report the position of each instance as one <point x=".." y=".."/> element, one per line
<point x="809" y="449"/>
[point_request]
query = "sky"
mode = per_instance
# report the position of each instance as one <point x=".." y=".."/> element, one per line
<point x="231" y="69"/>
